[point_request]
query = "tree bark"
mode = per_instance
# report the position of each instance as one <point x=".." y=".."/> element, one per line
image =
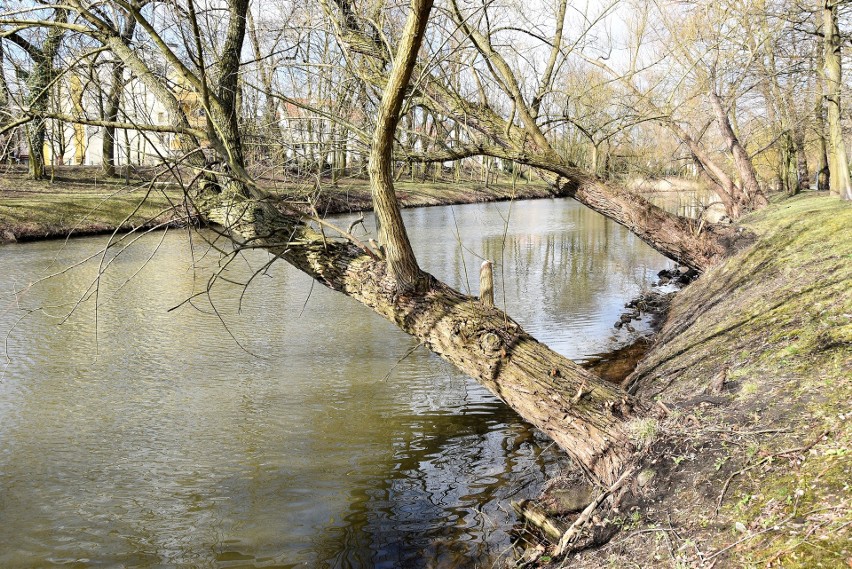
<point x="752" y="196"/>
<point x="840" y="183"/>
<point x="5" y="97"/>
<point x="39" y="82"/>
<point x="823" y="173"/>
<point x="399" y="255"/>
<point x="803" y="181"/>
<point x="113" y="103"/>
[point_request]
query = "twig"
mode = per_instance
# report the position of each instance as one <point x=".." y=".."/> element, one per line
<point x="748" y="433"/>
<point x="400" y="360"/>
<point x="774" y="527"/>
<point x="572" y="532"/>
<point x="360" y="221"/>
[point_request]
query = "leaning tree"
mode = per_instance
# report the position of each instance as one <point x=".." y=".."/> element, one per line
<point x="592" y="420"/>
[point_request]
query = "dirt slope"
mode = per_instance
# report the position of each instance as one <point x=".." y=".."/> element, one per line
<point x="759" y="472"/>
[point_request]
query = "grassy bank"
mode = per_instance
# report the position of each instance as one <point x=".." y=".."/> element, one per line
<point x="79" y="201"/>
<point x="756" y="472"/>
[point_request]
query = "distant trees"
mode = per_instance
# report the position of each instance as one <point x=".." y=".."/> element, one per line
<point x="41" y="45"/>
<point x="598" y="92"/>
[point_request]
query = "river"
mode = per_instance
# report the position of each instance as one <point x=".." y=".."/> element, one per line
<point x="279" y="424"/>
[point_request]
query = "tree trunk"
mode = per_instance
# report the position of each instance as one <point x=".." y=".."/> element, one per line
<point x="110" y="114"/>
<point x="35" y="142"/>
<point x="4" y="88"/>
<point x="594" y="159"/>
<point x="752" y="196"/>
<point x="399" y="255"/>
<point x="839" y="180"/>
<point x="39" y="82"/>
<point x="226" y="113"/>
<point x="803" y="181"/>
<point x="113" y="103"/>
<point x="586" y="416"/>
<point x="822" y="174"/>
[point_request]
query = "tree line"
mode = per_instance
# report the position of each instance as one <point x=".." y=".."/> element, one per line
<point x="746" y="96"/>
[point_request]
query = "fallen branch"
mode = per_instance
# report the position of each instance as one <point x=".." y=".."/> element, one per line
<point x="573" y="531"/>
<point x="537" y="517"/>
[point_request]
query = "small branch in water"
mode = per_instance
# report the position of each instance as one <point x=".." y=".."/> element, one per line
<point x="358" y="221"/>
<point x="400" y="360"/>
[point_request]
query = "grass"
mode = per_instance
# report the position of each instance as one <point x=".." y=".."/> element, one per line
<point x="80" y="200"/>
<point x="759" y="475"/>
<point x="77" y="201"/>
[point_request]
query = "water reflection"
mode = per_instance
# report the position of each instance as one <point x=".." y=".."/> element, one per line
<point x="135" y="436"/>
<point x="688" y="203"/>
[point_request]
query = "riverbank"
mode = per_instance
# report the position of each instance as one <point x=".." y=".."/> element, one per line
<point x="78" y="201"/>
<point x="751" y="466"/>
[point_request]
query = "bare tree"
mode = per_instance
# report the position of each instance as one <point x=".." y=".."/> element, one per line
<point x="117" y="83"/>
<point x="39" y="80"/>
<point x="838" y="164"/>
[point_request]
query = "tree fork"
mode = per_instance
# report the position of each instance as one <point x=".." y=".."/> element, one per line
<point x="587" y="417"/>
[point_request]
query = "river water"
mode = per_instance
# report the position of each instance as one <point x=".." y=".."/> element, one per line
<point x="279" y="425"/>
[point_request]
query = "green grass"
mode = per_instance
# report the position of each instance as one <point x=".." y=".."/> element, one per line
<point x="778" y="317"/>
<point x="80" y="200"/>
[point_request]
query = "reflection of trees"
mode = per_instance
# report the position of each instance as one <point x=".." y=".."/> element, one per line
<point x="288" y="426"/>
<point x="559" y="266"/>
<point x="444" y="466"/>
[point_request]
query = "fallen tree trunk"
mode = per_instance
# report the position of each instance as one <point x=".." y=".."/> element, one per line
<point x="587" y="417"/>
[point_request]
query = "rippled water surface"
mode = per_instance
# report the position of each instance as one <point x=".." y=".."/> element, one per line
<point x="280" y="425"/>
